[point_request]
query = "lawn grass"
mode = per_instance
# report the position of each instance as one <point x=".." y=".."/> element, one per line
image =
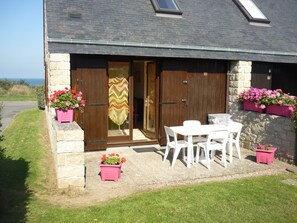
<point x="18" y="98"/>
<point x="260" y="199"/>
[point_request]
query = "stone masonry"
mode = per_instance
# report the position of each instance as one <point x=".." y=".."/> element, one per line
<point x="265" y="128"/>
<point x="257" y="127"/>
<point x="59" y="71"/>
<point x="239" y="80"/>
<point x="67" y="143"/>
<point x="67" y="139"/>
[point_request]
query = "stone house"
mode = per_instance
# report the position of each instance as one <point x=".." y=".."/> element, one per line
<point x="149" y="63"/>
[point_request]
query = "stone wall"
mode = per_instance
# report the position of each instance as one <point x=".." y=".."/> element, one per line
<point x="58" y="71"/>
<point x="67" y="139"/>
<point x="257" y="127"/>
<point x="239" y="80"/>
<point x="67" y="144"/>
<point x="265" y="128"/>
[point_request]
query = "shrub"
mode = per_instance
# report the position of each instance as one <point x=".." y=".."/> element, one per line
<point x="22" y="82"/>
<point x="20" y="90"/>
<point x="1" y="136"/>
<point x="2" y="91"/>
<point x="6" y="84"/>
<point x="40" y="94"/>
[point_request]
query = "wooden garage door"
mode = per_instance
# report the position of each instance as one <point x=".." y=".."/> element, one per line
<point x="191" y="90"/>
<point x="207" y="90"/>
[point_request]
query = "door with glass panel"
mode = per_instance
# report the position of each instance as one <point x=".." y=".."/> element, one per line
<point x="119" y="106"/>
<point x="149" y="117"/>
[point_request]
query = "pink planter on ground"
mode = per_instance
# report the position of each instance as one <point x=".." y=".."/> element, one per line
<point x="265" y="156"/>
<point x="110" y="172"/>
<point x="252" y="106"/>
<point x="283" y="110"/>
<point x="64" y="116"/>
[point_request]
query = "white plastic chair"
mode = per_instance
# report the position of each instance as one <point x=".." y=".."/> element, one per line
<point x="234" y="131"/>
<point x="216" y="140"/>
<point x="191" y="123"/>
<point x="174" y="144"/>
<point x="194" y="124"/>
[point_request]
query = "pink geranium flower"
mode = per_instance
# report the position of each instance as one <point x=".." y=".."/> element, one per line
<point x="67" y="99"/>
<point x="266" y="97"/>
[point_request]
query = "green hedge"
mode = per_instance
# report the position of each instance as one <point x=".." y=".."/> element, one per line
<point x="1" y="136"/>
<point x="40" y="94"/>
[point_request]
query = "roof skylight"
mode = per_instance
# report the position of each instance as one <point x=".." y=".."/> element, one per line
<point x="251" y="11"/>
<point x="166" y="6"/>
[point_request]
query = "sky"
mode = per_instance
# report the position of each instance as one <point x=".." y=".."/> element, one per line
<point x="21" y="39"/>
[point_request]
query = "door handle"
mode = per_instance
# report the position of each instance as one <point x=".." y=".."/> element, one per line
<point x="184" y="100"/>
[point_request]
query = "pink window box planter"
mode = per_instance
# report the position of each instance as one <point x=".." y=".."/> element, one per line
<point x="252" y="106"/>
<point x="110" y="172"/>
<point x="283" y="110"/>
<point x="64" y="116"/>
<point x="265" y="156"/>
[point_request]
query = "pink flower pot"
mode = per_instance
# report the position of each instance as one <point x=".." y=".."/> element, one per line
<point x="64" y="116"/>
<point x="252" y="106"/>
<point x="283" y="110"/>
<point x="265" y="156"/>
<point x="110" y="172"/>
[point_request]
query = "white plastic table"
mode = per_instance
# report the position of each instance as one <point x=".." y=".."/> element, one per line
<point x="196" y="131"/>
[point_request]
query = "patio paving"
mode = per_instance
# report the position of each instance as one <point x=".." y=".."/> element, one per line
<point x="144" y="170"/>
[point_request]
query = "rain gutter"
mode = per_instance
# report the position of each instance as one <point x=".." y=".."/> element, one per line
<point x="169" y="46"/>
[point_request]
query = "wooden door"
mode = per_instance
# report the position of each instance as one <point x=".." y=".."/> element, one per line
<point x="89" y="76"/>
<point x="173" y="96"/>
<point x="207" y="85"/>
<point x="197" y="109"/>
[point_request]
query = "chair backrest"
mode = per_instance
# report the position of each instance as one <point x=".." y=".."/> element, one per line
<point x="169" y="134"/>
<point x="191" y="123"/>
<point x="219" y="136"/>
<point x="235" y="128"/>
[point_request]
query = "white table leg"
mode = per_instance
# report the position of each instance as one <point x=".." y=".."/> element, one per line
<point x="190" y="155"/>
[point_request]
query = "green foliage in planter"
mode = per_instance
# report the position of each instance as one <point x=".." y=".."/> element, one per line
<point x="294" y="114"/>
<point x="40" y="96"/>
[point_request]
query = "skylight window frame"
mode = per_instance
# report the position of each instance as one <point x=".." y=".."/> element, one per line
<point x="249" y="16"/>
<point x="158" y="9"/>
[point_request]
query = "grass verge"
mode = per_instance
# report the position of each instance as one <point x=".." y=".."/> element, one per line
<point x="18" y="98"/>
<point x="261" y="199"/>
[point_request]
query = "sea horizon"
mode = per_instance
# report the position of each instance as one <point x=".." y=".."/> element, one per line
<point x="31" y="81"/>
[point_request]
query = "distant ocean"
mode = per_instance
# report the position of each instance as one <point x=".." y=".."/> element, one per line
<point x="32" y="81"/>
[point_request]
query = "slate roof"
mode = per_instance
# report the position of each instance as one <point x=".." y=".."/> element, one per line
<point x="214" y="29"/>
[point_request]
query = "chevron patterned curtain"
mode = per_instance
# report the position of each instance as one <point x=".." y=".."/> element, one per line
<point x="118" y="109"/>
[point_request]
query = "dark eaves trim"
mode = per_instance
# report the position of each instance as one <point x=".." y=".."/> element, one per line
<point x="168" y="46"/>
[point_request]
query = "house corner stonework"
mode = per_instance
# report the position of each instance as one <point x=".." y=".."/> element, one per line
<point x="59" y="71"/>
<point x="67" y="139"/>
<point x="239" y="80"/>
